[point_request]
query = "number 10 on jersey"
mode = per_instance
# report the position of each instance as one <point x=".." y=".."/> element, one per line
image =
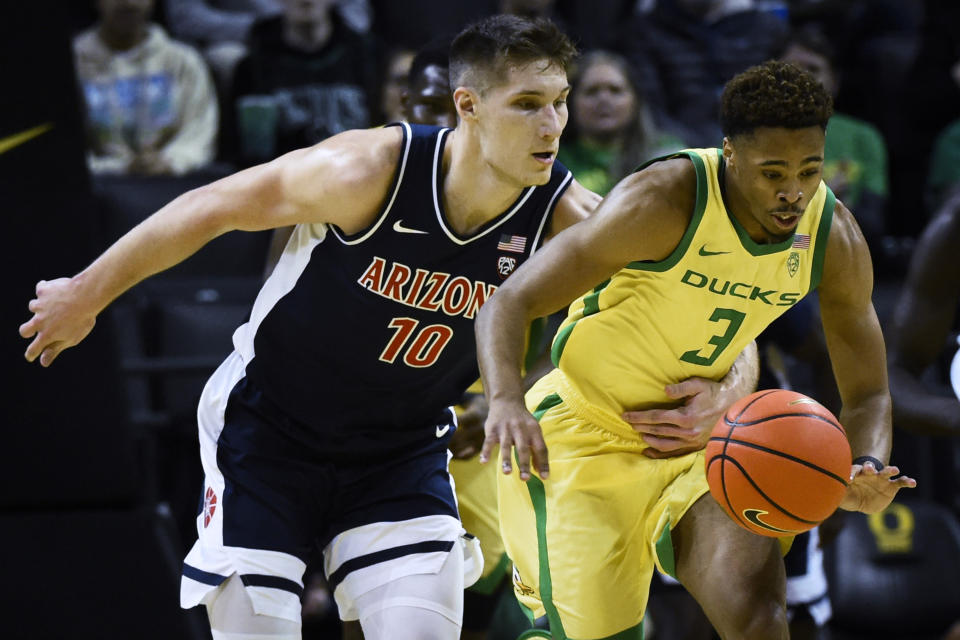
<point x="423" y="349"/>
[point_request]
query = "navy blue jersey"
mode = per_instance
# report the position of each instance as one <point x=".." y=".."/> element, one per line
<point x="370" y="336"/>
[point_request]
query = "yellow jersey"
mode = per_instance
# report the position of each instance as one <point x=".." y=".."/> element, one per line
<point x="656" y="323"/>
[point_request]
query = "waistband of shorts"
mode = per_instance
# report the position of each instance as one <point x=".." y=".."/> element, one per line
<point x="594" y="414"/>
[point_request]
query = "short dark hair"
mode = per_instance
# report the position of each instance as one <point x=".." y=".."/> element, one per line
<point x="773" y="94"/>
<point x="483" y="50"/>
<point x="434" y="53"/>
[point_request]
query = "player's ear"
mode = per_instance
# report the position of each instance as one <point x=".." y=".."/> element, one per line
<point x="465" y="101"/>
<point x="728" y="150"/>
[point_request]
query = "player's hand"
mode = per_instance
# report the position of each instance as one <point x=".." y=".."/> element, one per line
<point x="870" y="490"/>
<point x="468" y="438"/>
<point x="510" y="425"/>
<point x="60" y="320"/>
<point x="686" y="428"/>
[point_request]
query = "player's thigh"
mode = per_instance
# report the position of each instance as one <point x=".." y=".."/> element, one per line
<point x="735" y="575"/>
<point x="416" y="606"/>
<point x="577" y="542"/>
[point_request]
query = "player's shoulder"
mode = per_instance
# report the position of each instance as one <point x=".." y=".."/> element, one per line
<point x="356" y="159"/>
<point x="668" y="184"/>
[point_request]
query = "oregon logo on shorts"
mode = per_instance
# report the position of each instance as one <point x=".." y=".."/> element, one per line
<point x="793" y="263"/>
<point x="518" y="585"/>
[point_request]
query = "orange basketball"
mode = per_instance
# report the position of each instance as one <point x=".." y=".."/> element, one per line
<point x="778" y="462"/>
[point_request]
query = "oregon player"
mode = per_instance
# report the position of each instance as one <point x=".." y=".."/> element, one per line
<point x="695" y="255"/>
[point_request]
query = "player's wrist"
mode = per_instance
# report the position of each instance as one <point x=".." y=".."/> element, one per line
<point x="861" y="460"/>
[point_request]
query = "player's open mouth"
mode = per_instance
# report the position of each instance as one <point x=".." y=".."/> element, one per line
<point x="546" y="157"/>
<point x="785" y="220"/>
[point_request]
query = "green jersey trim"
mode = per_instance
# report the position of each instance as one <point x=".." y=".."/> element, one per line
<point x="698" y="209"/>
<point x="823" y="234"/>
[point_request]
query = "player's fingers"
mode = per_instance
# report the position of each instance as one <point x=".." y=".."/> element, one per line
<point x="685" y="388"/>
<point x="649" y="416"/>
<point x="29" y="328"/>
<point x="506" y="450"/>
<point x="666" y="430"/>
<point x="51" y="352"/>
<point x="523" y="457"/>
<point x="35" y="348"/>
<point x="488" y="444"/>
<point x="541" y="457"/>
<point x="663" y="444"/>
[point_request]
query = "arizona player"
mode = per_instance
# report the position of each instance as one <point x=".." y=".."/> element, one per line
<point x="329" y="422"/>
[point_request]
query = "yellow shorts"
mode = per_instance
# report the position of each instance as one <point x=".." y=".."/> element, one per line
<point x="585" y="542"/>
<point x="476" y="486"/>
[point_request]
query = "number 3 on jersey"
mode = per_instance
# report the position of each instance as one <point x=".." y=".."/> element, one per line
<point x="734" y="319"/>
<point x="425" y="347"/>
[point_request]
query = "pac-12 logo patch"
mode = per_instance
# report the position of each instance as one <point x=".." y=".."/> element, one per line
<point x="506" y="265"/>
<point x="209" y="506"/>
<point x="793" y="263"/>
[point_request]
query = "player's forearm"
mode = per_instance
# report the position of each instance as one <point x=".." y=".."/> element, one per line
<point x="163" y="240"/>
<point x="499" y="328"/>
<point x="867" y="422"/>
<point x="742" y="378"/>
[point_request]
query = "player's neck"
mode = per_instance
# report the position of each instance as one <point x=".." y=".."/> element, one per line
<point x="473" y="192"/>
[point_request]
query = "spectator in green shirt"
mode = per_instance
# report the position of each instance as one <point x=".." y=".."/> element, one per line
<point x="610" y="130"/>
<point x="944" y="171"/>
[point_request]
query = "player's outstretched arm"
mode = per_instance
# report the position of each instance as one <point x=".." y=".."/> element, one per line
<point x="922" y="321"/>
<point x="858" y="356"/>
<point x="643" y="218"/>
<point x="340" y="181"/>
<point x="687" y="428"/>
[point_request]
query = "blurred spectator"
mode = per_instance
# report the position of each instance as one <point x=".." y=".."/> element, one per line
<point x="927" y="101"/>
<point x="308" y="76"/>
<point x="611" y="130"/>
<point x="944" y="170"/>
<point x="394" y="84"/>
<point x="428" y="98"/>
<point x="855" y="157"/>
<point x="922" y="339"/>
<point x="685" y="50"/>
<point x="150" y="103"/>
<point x="219" y="28"/>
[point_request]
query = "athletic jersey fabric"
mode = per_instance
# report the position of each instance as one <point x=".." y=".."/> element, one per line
<point x="691" y="314"/>
<point x="363" y="340"/>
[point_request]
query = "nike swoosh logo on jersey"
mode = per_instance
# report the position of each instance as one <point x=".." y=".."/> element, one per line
<point x="704" y="252"/>
<point x="442" y="432"/>
<point x="399" y="228"/>
<point x="18" y="139"/>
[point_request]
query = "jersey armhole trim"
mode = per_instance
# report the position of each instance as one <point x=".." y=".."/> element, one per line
<point x="548" y="212"/>
<point x="360" y="236"/>
<point x="823" y="235"/>
<point x="698" y="209"/>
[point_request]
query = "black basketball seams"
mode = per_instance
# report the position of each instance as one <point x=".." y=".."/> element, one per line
<point x="754" y="484"/>
<point x="775" y="452"/>
<point x="749" y="404"/>
<point x="816" y="416"/>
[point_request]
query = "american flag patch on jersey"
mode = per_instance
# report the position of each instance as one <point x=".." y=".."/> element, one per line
<point x="801" y="241"/>
<point x="516" y="244"/>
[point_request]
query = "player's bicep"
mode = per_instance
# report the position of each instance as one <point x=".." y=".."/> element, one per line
<point x="852" y="330"/>
<point x="630" y="224"/>
<point x="343" y="180"/>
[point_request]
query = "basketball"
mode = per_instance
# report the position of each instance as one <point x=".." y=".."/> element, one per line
<point x="778" y="462"/>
